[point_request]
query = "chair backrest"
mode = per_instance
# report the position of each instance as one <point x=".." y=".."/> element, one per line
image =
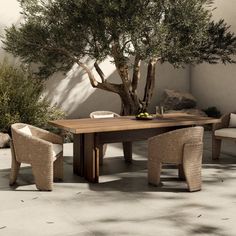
<point x="103" y="114"/>
<point x="169" y="146"/>
<point x="18" y="141"/>
<point x="225" y="119"/>
<point x="21" y="133"/>
<point x="21" y="128"/>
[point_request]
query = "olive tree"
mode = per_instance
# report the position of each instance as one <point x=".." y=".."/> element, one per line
<point x="56" y="34"/>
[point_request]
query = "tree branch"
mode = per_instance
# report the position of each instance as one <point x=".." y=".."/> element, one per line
<point x="123" y="70"/>
<point x="92" y="78"/>
<point x="110" y="87"/>
<point x="136" y="73"/>
<point x="100" y="72"/>
<point x="121" y="64"/>
<point x="115" y="88"/>
<point x="123" y="48"/>
<point x="150" y="82"/>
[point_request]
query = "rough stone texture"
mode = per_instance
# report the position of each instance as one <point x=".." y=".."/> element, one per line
<point x="4" y="140"/>
<point x="174" y="100"/>
<point x="196" y="112"/>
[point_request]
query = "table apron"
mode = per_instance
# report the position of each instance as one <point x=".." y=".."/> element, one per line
<point x="130" y="135"/>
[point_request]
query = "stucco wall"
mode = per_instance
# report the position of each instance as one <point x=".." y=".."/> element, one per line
<point x="9" y="14"/>
<point x="215" y="85"/>
<point x="74" y="94"/>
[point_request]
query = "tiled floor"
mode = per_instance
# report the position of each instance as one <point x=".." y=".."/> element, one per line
<point x="122" y="203"/>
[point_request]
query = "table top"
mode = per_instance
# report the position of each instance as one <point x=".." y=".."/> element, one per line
<point x="88" y="125"/>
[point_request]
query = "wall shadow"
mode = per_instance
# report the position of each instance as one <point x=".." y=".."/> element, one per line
<point x="74" y="94"/>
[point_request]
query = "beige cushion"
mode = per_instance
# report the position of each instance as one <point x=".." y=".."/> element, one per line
<point x="104" y="116"/>
<point x="226" y="132"/>
<point x="26" y="130"/>
<point x="56" y="149"/>
<point x="232" y="120"/>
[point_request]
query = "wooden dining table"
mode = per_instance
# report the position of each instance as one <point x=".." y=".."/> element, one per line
<point x="90" y="134"/>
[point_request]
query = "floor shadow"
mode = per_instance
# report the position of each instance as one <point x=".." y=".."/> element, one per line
<point x="134" y="184"/>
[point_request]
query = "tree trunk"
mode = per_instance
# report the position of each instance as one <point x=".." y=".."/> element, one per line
<point x="130" y="106"/>
<point x="150" y="83"/>
<point x="127" y="90"/>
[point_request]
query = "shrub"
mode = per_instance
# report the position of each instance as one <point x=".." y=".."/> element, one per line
<point x="21" y="99"/>
<point x="212" y="112"/>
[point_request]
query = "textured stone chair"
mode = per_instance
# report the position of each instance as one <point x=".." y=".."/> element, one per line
<point x="41" y="149"/>
<point x="102" y="114"/>
<point x="226" y="129"/>
<point x="182" y="147"/>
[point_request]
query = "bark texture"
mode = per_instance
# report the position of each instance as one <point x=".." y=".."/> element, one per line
<point x="132" y="104"/>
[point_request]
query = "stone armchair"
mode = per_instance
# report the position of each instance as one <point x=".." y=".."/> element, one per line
<point x="41" y="149"/>
<point x="182" y="147"/>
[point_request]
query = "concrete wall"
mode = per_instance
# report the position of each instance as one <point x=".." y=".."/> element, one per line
<point x="73" y="93"/>
<point x="215" y="85"/>
<point x="9" y="14"/>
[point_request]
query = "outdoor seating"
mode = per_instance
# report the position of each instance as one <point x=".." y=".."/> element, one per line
<point x="41" y="149"/>
<point x="182" y="147"/>
<point x="226" y="129"/>
<point x="90" y="134"/>
<point x="102" y="114"/>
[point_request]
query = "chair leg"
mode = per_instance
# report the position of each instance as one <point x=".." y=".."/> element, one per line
<point x="154" y="172"/>
<point x="216" y="146"/>
<point x="15" y="166"/>
<point x="192" y="163"/>
<point x="58" y="172"/>
<point x="43" y="176"/>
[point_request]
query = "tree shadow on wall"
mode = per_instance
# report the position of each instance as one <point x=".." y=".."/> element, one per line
<point x="74" y="93"/>
<point x="3" y="53"/>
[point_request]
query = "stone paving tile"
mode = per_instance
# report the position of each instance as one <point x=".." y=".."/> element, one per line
<point x="122" y="203"/>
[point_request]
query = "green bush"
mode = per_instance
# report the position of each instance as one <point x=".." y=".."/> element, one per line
<point x="21" y="99"/>
<point x="212" y="112"/>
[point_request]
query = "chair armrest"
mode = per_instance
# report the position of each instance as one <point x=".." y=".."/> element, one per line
<point x="169" y="146"/>
<point x="30" y="149"/>
<point x="46" y="135"/>
<point x="223" y="124"/>
<point x="192" y="164"/>
<point x="192" y="152"/>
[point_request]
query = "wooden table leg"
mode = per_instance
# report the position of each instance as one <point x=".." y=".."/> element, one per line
<point x="216" y="146"/>
<point x="91" y="158"/>
<point x="127" y="149"/>
<point x="78" y="154"/>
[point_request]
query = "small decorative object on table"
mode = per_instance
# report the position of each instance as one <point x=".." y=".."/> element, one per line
<point x="144" y="116"/>
<point x="159" y="111"/>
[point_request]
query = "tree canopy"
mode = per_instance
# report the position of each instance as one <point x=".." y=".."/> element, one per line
<point x="56" y="34"/>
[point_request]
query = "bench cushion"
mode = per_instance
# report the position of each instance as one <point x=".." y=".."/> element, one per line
<point x="226" y="132"/>
<point x="26" y="130"/>
<point x="232" y="120"/>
